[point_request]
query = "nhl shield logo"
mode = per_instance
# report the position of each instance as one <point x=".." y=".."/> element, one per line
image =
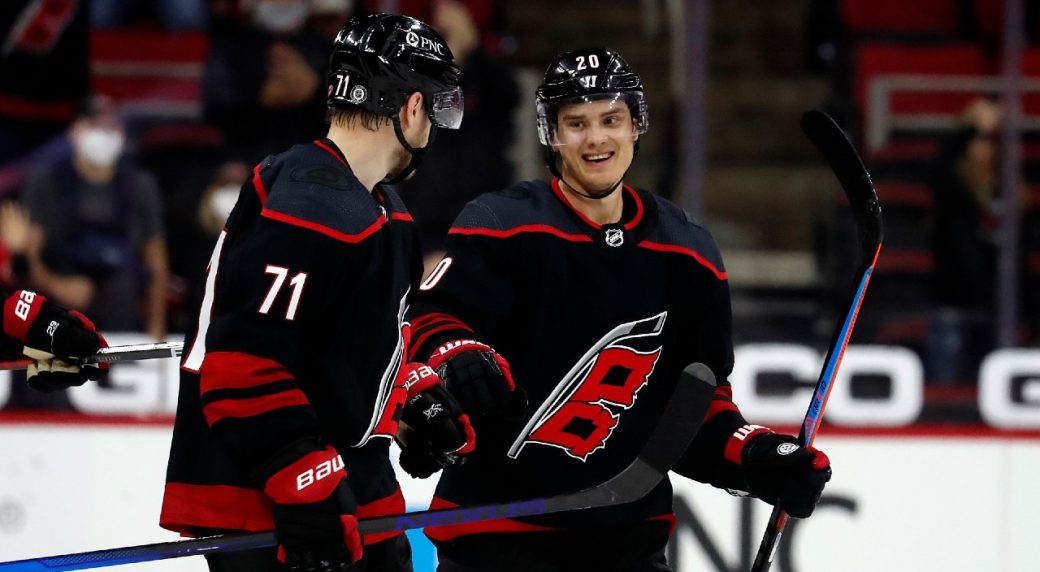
<point x="615" y="237"/>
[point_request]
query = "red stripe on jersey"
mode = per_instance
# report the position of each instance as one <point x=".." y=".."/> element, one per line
<point x="660" y="247"/>
<point x="393" y="504"/>
<point x="427" y="319"/>
<point x="624" y="188"/>
<point x="668" y="519"/>
<point x="563" y="198"/>
<point x="723" y="401"/>
<point x="235" y="370"/>
<point x="450" y="531"/>
<point x="639" y="209"/>
<point x="330" y="232"/>
<point x="188" y="509"/>
<point x="418" y="341"/>
<point x="252" y="406"/>
<point x="543" y="228"/>
<point x="402" y="216"/>
<point x="258" y="184"/>
<point x="332" y="152"/>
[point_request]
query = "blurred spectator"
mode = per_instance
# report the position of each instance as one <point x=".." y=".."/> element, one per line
<point x="471" y="160"/>
<point x="14" y="244"/>
<point x="43" y="56"/>
<point x="197" y="231"/>
<point x="262" y="86"/>
<point x="328" y="16"/>
<point x="174" y="15"/>
<point x="96" y="242"/>
<point x="966" y="184"/>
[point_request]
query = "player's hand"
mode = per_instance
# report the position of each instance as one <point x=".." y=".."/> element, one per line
<point x="54" y="338"/>
<point x="479" y="378"/>
<point x="434" y="432"/>
<point x="313" y="508"/>
<point x="781" y="471"/>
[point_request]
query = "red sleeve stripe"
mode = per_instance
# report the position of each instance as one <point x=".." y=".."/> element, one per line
<point x="327" y="231"/>
<point x="419" y="340"/>
<point x="235" y="370"/>
<point x="723" y="401"/>
<point x="258" y="184"/>
<point x="660" y="247"/>
<point x="448" y="532"/>
<point x="527" y="228"/>
<point x="434" y="318"/>
<point x="253" y="406"/>
<point x="402" y="216"/>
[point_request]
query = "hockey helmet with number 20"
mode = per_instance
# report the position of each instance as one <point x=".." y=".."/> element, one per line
<point x="588" y="75"/>
<point x="378" y="60"/>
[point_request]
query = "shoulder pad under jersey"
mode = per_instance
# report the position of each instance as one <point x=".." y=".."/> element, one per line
<point x="520" y="206"/>
<point x="677" y="227"/>
<point x="310" y="186"/>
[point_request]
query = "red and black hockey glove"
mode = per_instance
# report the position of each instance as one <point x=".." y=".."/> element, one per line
<point x="479" y="378"/>
<point x="313" y="508"/>
<point x="779" y="470"/>
<point x="434" y="432"/>
<point x="54" y="337"/>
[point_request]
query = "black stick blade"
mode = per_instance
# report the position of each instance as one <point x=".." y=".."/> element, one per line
<point x="851" y="173"/>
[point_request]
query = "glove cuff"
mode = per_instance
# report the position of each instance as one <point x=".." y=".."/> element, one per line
<point x="448" y="350"/>
<point x="419" y="378"/>
<point x="20" y="311"/>
<point x="739" y="440"/>
<point x="302" y="473"/>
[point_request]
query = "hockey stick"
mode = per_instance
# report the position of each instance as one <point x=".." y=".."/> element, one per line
<point x="855" y="181"/>
<point x="113" y="354"/>
<point x="674" y="432"/>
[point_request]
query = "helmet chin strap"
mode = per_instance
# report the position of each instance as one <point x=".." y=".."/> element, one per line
<point x="417" y="153"/>
<point x="598" y="194"/>
<point x="551" y="158"/>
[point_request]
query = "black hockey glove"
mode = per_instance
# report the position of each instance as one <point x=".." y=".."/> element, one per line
<point x="434" y="433"/>
<point x="480" y="379"/>
<point x="779" y="470"/>
<point x="54" y="338"/>
<point x="313" y="508"/>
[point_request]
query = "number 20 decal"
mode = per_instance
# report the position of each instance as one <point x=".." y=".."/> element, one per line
<point x="593" y="62"/>
<point x="296" y="283"/>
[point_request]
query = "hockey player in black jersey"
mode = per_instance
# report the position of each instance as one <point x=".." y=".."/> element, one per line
<point x="294" y="378"/>
<point x="591" y="297"/>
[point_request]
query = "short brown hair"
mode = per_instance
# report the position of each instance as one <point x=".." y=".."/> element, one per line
<point x="351" y="117"/>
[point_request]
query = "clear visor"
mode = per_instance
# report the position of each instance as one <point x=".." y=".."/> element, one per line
<point x="446" y="108"/>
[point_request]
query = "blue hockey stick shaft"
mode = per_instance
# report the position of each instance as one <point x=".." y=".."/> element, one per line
<point x="675" y="431"/>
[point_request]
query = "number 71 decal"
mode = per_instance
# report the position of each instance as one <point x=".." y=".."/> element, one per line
<point x="296" y="283"/>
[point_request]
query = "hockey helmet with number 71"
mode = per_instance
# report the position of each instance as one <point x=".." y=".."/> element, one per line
<point x="378" y="60"/>
<point x="588" y="75"/>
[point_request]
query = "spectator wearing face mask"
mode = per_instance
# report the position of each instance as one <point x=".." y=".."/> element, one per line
<point x="197" y="230"/>
<point x="96" y="240"/>
<point x="263" y="84"/>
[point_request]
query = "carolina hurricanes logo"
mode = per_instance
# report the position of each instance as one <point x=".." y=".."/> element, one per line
<point x="392" y="392"/>
<point x="586" y="405"/>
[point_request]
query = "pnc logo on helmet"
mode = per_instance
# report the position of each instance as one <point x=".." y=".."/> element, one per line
<point x="416" y="41"/>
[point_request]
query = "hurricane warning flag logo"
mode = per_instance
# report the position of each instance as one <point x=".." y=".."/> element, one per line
<point x="585" y="407"/>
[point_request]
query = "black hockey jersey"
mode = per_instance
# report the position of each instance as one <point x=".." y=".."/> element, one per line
<point x="597" y="322"/>
<point x="299" y="334"/>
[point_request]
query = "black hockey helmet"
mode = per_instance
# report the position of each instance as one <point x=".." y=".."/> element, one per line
<point x="378" y="60"/>
<point x="587" y="75"/>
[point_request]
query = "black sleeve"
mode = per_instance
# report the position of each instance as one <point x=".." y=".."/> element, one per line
<point x="273" y="289"/>
<point x="711" y="335"/>
<point x="470" y="292"/>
